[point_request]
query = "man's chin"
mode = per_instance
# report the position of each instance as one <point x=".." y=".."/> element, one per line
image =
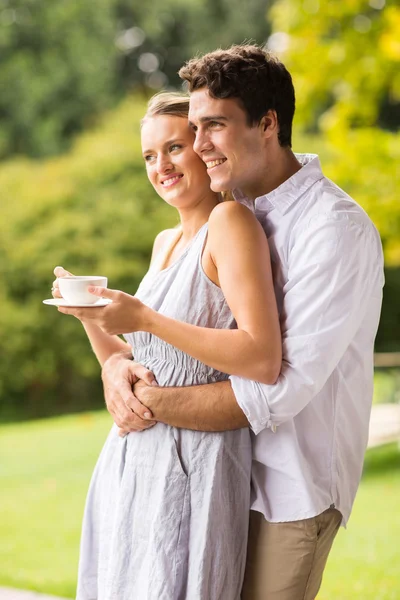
<point x="219" y="186"/>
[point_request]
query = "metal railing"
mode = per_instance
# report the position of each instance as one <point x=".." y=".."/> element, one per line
<point x="387" y="359"/>
<point x="384" y="424"/>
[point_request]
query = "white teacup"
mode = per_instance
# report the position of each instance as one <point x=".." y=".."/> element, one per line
<point x="73" y="288"/>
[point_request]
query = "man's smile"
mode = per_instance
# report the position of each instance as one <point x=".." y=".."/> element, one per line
<point x="215" y="163"/>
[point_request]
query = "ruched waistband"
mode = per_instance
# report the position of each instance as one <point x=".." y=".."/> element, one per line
<point x="169" y="354"/>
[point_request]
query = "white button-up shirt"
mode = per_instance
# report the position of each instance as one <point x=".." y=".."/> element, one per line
<point x="311" y="427"/>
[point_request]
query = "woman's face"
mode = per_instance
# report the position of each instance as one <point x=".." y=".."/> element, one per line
<point x="176" y="172"/>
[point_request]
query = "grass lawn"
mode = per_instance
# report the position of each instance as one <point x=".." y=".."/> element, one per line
<point x="45" y="468"/>
<point x="365" y="559"/>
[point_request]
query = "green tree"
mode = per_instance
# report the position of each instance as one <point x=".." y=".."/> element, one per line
<point x="56" y="71"/>
<point x="345" y="60"/>
<point x="63" y="62"/>
<point x="176" y="30"/>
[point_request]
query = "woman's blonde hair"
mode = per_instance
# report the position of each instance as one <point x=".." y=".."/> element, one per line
<point x="174" y="104"/>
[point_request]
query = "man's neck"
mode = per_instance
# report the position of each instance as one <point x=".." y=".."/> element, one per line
<point x="278" y="170"/>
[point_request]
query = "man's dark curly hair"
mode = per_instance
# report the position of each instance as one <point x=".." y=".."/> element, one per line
<point x="252" y="75"/>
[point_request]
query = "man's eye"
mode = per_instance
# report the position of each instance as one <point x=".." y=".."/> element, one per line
<point x="175" y="147"/>
<point x="214" y="124"/>
<point x="148" y="157"/>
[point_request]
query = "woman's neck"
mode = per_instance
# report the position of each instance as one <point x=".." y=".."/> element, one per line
<point x="193" y="218"/>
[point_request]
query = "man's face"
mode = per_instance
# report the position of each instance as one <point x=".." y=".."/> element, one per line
<point x="234" y="152"/>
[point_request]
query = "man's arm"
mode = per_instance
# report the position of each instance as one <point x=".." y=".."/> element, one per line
<point x="209" y="407"/>
<point x="334" y="272"/>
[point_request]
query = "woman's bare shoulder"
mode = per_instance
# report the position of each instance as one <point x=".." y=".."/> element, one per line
<point x="232" y="217"/>
<point x="230" y="211"/>
<point x="162" y="239"/>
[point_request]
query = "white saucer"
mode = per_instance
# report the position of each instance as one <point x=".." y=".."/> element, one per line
<point x="62" y="302"/>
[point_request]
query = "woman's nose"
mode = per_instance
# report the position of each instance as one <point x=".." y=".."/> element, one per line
<point x="164" y="164"/>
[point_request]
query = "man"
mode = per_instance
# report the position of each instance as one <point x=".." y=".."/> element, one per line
<point x="311" y="427"/>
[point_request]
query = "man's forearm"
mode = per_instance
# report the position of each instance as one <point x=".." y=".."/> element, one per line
<point x="210" y="407"/>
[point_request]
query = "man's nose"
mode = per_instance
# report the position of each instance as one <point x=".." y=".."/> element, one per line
<point x="202" y="143"/>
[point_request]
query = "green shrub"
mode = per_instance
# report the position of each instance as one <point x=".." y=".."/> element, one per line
<point x="92" y="211"/>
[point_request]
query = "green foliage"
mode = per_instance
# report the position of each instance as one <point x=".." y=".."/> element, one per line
<point x="176" y="30"/>
<point x="388" y="338"/>
<point x="92" y="211"/>
<point x="57" y="70"/>
<point x="365" y="163"/>
<point x="387" y="386"/>
<point x="345" y="60"/>
<point x="62" y="62"/>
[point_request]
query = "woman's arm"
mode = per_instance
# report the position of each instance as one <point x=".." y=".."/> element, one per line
<point x="239" y="251"/>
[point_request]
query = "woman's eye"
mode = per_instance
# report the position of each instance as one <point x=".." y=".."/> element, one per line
<point x="175" y="147"/>
<point x="148" y="157"/>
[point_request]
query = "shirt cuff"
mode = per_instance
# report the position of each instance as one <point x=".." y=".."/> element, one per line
<point x="250" y="396"/>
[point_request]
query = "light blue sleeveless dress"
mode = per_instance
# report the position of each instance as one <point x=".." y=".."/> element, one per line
<point x="167" y="512"/>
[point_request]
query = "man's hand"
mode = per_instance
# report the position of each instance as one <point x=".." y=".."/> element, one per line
<point x="147" y="395"/>
<point x="119" y="374"/>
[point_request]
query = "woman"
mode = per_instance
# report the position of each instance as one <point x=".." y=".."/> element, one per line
<point x="167" y="510"/>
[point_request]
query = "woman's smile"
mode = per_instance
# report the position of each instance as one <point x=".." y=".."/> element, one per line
<point x="171" y="180"/>
<point x="174" y="169"/>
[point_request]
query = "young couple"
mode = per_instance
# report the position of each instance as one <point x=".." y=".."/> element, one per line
<point x="167" y="516"/>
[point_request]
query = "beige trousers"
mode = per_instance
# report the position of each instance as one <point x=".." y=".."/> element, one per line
<point x="285" y="561"/>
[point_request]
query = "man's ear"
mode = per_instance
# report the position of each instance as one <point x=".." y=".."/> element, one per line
<point x="269" y="124"/>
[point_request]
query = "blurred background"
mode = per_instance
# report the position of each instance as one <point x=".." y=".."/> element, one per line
<point x="74" y="79"/>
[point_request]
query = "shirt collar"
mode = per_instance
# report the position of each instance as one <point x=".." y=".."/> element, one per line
<point x="289" y="191"/>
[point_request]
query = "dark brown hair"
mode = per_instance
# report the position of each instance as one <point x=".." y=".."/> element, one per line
<point x="254" y="76"/>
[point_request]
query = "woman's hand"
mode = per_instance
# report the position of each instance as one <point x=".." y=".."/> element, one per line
<point x="119" y="374"/>
<point x="125" y="314"/>
<point x="58" y="272"/>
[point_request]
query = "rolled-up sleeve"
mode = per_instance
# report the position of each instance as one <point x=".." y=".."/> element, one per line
<point x="334" y="272"/>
